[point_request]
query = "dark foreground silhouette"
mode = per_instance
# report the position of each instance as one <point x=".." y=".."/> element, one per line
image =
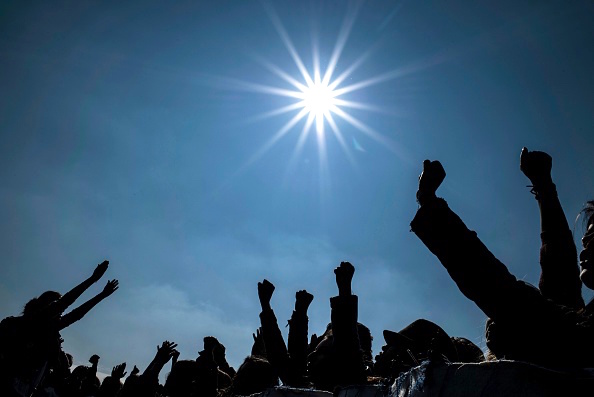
<point x="549" y="325"/>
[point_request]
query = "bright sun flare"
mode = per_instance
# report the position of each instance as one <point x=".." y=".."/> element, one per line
<point x="319" y="100"/>
<point x="316" y="96"/>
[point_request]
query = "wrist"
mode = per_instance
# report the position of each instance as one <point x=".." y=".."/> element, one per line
<point x="425" y="196"/>
<point x="542" y="189"/>
<point x="344" y="290"/>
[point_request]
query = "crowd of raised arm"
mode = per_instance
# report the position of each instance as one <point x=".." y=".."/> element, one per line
<point x="548" y="325"/>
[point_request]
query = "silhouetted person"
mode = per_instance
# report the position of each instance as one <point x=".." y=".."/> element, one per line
<point x="338" y="359"/>
<point x="147" y="384"/>
<point x="183" y="380"/>
<point x="545" y="332"/>
<point x="254" y="375"/>
<point x="291" y="363"/>
<point x="419" y="341"/>
<point x="111" y="385"/>
<point x="258" y="347"/>
<point x="467" y="351"/>
<point x="218" y="354"/>
<point x="132" y="383"/>
<point x="214" y="372"/>
<point x="31" y="343"/>
<point x="83" y="381"/>
<point x="559" y="278"/>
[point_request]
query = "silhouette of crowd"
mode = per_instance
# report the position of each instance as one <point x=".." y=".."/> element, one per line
<point x="549" y="325"/>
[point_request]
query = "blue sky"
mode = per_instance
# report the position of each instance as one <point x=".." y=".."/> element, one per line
<point x="127" y="133"/>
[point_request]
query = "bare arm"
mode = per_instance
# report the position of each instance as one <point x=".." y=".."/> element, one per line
<point x="83" y="309"/>
<point x="164" y="353"/>
<point x="68" y="298"/>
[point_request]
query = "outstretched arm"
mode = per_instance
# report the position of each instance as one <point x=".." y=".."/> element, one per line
<point x="345" y="342"/>
<point x="164" y="353"/>
<point x="479" y="275"/>
<point x="83" y="309"/>
<point x="276" y="350"/>
<point x="559" y="279"/>
<point x="297" y="342"/>
<point x="68" y="298"/>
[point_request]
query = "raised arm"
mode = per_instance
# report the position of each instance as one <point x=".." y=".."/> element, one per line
<point x="297" y="343"/>
<point x="350" y="368"/>
<point x="276" y="350"/>
<point x="165" y="352"/>
<point x="68" y="298"/>
<point x="479" y="275"/>
<point x="83" y="309"/>
<point x="559" y="279"/>
<point x="344" y="309"/>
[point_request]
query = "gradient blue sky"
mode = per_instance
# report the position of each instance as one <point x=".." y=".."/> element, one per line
<point x="125" y="135"/>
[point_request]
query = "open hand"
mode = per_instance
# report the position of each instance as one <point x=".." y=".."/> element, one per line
<point x="265" y="290"/>
<point x="303" y="300"/>
<point x="258" y="348"/>
<point x="344" y="275"/>
<point x="166" y="351"/>
<point x="210" y="343"/>
<point x="536" y="166"/>
<point x="100" y="270"/>
<point x="119" y="371"/>
<point x="110" y="287"/>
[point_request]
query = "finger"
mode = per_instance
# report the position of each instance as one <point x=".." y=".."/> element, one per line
<point x="426" y="164"/>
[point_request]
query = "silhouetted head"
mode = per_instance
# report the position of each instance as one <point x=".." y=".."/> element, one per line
<point x="323" y="364"/>
<point x="320" y="366"/>
<point x="183" y="379"/>
<point x="467" y="351"/>
<point x="36" y="306"/>
<point x="254" y="376"/>
<point x="412" y="345"/>
<point x="587" y="254"/>
<point x="365" y="341"/>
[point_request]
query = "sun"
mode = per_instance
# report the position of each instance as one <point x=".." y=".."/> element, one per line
<point x="318" y="95"/>
<point x="318" y="100"/>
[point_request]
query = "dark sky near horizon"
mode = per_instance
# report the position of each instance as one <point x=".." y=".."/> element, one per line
<point x="133" y="131"/>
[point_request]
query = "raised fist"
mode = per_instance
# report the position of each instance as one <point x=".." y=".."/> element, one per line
<point x="344" y="275"/>
<point x="431" y="177"/>
<point x="265" y="290"/>
<point x="536" y="166"/>
<point x="303" y="300"/>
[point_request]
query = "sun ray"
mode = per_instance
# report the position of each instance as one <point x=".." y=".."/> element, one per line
<point x="360" y="105"/>
<point x="362" y="127"/>
<point x="299" y="146"/>
<point x="336" y="131"/>
<point x="319" y="95"/>
<point x="343" y="35"/>
<point x="279" y="134"/>
<point x="288" y="43"/>
<point x="262" y="88"/>
<point x="281" y="73"/>
<point x="277" y="112"/>
<point x="354" y="66"/>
